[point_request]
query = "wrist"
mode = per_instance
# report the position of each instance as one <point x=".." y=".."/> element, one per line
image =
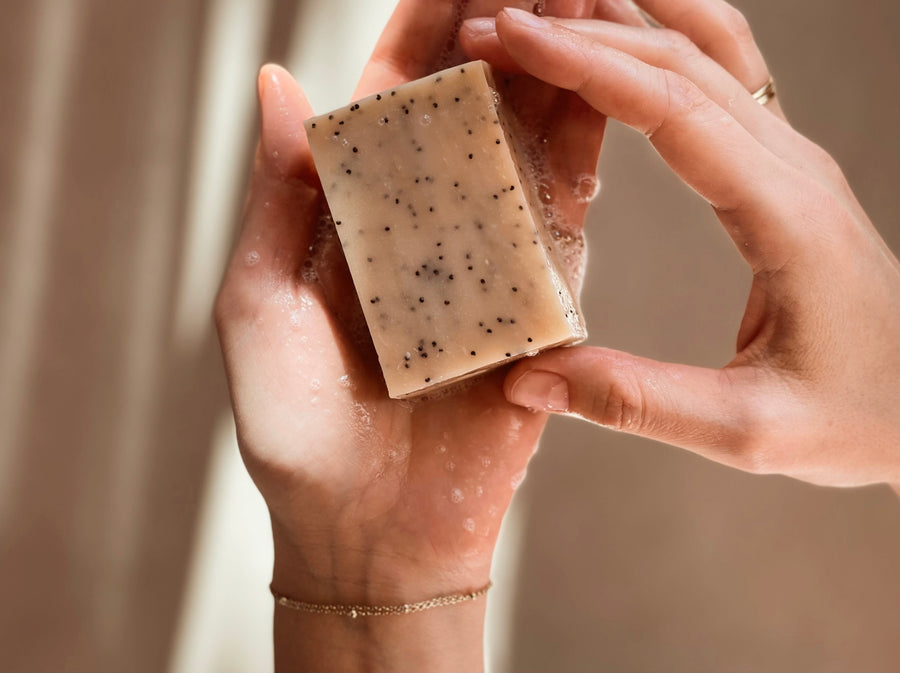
<point x="360" y="571"/>
<point x="318" y="570"/>
<point x="447" y="638"/>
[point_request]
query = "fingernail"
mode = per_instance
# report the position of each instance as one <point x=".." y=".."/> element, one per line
<point x="540" y="390"/>
<point x="524" y="18"/>
<point x="480" y="26"/>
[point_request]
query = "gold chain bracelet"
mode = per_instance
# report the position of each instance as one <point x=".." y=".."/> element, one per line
<point x="354" y="611"/>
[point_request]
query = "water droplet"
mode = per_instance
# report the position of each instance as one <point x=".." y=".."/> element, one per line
<point x="440" y="448"/>
<point x="344" y="381"/>
<point x="425" y="120"/>
<point x="449" y="466"/>
<point x="315" y="385"/>
<point x="456" y="496"/>
<point x="469" y="525"/>
<point x="252" y="258"/>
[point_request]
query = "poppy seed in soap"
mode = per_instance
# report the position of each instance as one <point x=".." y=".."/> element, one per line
<point x="426" y="163"/>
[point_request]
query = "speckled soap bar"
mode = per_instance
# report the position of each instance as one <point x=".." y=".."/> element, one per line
<point x="441" y="230"/>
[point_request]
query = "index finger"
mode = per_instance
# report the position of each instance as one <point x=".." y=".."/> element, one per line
<point x="410" y="45"/>
<point x="699" y="140"/>
<point x="421" y="35"/>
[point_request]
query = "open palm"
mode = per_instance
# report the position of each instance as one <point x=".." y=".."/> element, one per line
<point x="363" y="488"/>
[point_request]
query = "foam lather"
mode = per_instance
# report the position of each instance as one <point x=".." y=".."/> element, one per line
<point x="442" y="229"/>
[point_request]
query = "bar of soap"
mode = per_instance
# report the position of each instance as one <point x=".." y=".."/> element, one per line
<point x="441" y="229"/>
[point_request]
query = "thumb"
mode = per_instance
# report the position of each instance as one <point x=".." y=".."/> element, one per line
<point x="692" y="407"/>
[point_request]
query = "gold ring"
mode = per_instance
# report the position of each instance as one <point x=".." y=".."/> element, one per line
<point x="765" y="93"/>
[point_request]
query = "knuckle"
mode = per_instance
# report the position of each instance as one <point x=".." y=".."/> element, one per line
<point x="585" y="81"/>
<point x="754" y="448"/>
<point x="736" y="25"/>
<point x="749" y="454"/>
<point x="619" y="406"/>
<point x="828" y="166"/>
<point x="685" y="97"/>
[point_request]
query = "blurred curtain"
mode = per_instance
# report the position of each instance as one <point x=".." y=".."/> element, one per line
<point x="115" y="223"/>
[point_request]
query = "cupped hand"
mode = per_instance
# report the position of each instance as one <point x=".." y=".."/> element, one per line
<point x="813" y="391"/>
<point x="372" y="500"/>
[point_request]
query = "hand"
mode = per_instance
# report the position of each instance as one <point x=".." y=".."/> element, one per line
<point x="372" y="500"/>
<point x="813" y="390"/>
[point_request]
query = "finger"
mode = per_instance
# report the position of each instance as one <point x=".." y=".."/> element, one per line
<point x="478" y="35"/>
<point x="283" y="204"/>
<point x="420" y="35"/>
<point x="479" y="39"/>
<point x="284" y="149"/>
<point x="283" y="239"/>
<point x="702" y="143"/>
<point x="619" y="11"/>
<point x="410" y="46"/>
<point x="723" y="33"/>
<point x="719" y="30"/>
<point x="417" y="38"/>
<point x="666" y="49"/>
<point x="673" y="51"/>
<point x="562" y="134"/>
<point x="695" y="408"/>
<point x="580" y="9"/>
<point x="574" y="137"/>
<point x="572" y="132"/>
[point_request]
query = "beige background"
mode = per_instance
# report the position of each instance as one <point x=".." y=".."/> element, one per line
<point x="125" y="133"/>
